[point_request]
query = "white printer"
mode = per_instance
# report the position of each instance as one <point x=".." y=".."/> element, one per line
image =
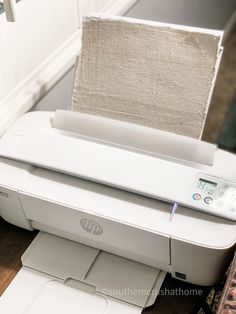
<point x="119" y="205"/>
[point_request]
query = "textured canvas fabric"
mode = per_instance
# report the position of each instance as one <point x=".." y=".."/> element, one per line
<point x="146" y="73"/>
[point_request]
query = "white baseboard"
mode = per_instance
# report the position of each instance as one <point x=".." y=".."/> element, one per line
<point x="38" y="83"/>
<point x="115" y="7"/>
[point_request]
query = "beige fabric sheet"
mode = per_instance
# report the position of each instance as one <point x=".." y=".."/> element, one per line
<point x="146" y="73"/>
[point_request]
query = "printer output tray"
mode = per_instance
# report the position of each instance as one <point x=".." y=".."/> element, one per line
<point x="61" y="276"/>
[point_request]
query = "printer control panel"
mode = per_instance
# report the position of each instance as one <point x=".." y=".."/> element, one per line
<point x="214" y="196"/>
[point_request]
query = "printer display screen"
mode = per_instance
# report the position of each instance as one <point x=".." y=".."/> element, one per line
<point x="206" y="186"/>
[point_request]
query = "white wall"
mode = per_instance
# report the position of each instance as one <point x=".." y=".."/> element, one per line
<point x="39" y="48"/>
<point x="39" y="31"/>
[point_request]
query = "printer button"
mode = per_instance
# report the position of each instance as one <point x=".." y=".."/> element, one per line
<point x="208" y="200"/>
<point x="197" y="196"/>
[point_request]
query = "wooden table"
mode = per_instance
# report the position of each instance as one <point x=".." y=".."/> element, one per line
<point x="14" y="241"/>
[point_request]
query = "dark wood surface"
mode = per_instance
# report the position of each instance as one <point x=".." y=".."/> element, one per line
<point x="14" y="241"/>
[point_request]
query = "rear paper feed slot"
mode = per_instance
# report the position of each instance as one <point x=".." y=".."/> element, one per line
<point x="135" y="137"/>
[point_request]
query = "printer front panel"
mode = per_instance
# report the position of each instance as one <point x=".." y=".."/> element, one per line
<point x="100" y="232"/>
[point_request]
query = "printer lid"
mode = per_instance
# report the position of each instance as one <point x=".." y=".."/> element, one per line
<point x="32" y="140"/>
<point x="155" y="168"/>
<point x="29" y="133"/>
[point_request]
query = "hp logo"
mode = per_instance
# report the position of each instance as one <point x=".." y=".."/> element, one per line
<point x="91" y="226"/>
